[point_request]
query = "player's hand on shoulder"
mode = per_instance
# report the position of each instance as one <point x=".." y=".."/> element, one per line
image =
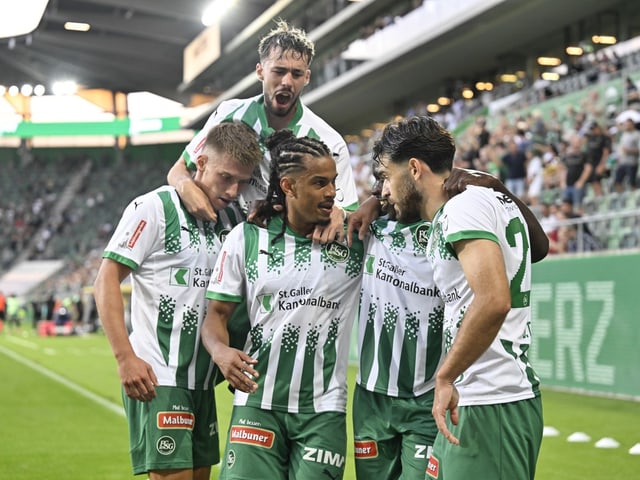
<point x="460" y="178"/>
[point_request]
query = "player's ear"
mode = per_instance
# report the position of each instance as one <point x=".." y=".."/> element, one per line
<point x="288" y="186"/>
<point x="201" y="161"/>
<point x="259" y="71"/>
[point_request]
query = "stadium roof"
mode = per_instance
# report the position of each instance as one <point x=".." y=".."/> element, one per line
<point x="132" y="45"/>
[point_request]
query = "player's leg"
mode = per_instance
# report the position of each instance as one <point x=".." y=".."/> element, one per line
<point x="412" y="417"/>
<point x="502" y="441"/>
<point x="160" y="434"/>
<point x="318" y="445"/>
<point x="206" y="444"/>
<point x="257" y="446"/>
<point x="376" y="444"/>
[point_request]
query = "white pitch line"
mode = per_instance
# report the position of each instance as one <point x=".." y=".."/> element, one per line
<point x="63" y="381"/>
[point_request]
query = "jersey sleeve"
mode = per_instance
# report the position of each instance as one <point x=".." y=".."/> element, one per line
<point x="137" y="233"/>
<point x="469" y="215"/>
<point x="227" y="282"/>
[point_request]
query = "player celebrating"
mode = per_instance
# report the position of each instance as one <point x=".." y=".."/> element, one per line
<point x="288" y="420"/>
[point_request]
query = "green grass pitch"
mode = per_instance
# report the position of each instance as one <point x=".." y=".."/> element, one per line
<point x="62" y="418"/>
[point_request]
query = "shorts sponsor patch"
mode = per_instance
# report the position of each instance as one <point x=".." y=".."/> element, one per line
<point x="365" y="448"/>
<point x="133" y="239"/>
<point x="433" y="467"/>
<point x="251" y="436"/>
<point x="182" y="420"/>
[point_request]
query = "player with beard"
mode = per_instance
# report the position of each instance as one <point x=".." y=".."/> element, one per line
<point x="290" y="377"/>
<point x="400" y="337"/>
<point x="285" y="55"/>
<point x="487" y="403"/>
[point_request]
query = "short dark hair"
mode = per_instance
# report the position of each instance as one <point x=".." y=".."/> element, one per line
<point x="420" y="137"/>
<point x="287" y="39"/>
<point x="238" y="140"/>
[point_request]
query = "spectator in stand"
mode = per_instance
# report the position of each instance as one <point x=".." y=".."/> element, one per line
<point x="598" y="149"/>
<point x="577" y="172"/>
<point x="628" y="151"/>
<point x="515" y="172"/>
<point x="631" y="90"/>
<point x="535" y="175"/>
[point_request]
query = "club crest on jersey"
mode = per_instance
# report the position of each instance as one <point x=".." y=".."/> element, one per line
<point x="223" y="234"/>
<point x="337" y="252"/>
<point x="165" y="445"/>
<point x="231" y="458"/>
<point x="421" y="235"/>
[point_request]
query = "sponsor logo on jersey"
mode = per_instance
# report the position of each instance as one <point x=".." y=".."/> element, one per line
<point x="365" y="448"/>
<point x="266" y="302"/>
<point x="223" y="258"/>
<point x="165" y="445"/>
<point x="133" y="239"/>
<point x="179" y="276"/>
<point x="448" y="297"/>
<point x="369" y="264"/>
<point x="183" y="420"/>
<point x="337" y="252"/>
<point x="433" y="467"/>
<point x="320" y="455"/>
<point x="421" y="235"/>
<point x="251" y="436"/>
<point x="200" y="145"/>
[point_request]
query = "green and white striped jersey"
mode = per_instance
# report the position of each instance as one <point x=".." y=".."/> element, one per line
<point x="401" y="313"/>
<point x="503" y="373"/>
<point x="301" y="298"/>
<point x="172" y="255"/>
<point x="305" y="123"/>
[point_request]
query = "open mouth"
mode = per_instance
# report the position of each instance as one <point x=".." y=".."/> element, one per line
<point x="283" y="98"/>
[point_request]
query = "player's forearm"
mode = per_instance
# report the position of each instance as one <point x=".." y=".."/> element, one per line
<point x="179" y="174"/>
<point x="111" y="314"/>
<point x="479" y="328"/>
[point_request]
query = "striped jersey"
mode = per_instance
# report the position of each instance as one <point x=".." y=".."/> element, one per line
<point x="302" y="299"/>
<point x="502" y="373"/>
<point x="305" y="123"/>
<point x="172" y="255"/>
<point x="401" y="313"/>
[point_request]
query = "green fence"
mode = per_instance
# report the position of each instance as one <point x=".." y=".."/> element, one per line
<point x="586" y="323"/>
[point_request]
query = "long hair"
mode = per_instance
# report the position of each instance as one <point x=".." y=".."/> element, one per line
<point x="288" y="155"/>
